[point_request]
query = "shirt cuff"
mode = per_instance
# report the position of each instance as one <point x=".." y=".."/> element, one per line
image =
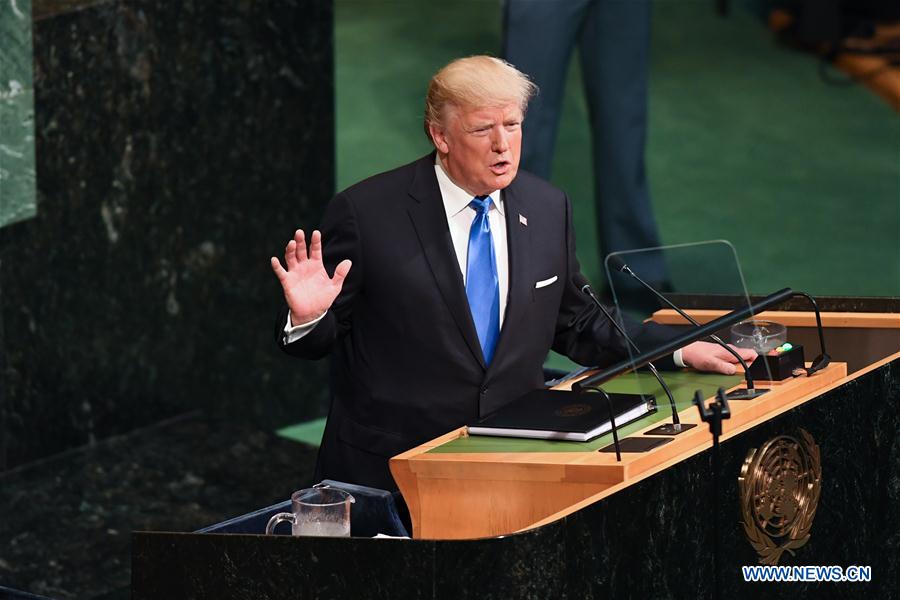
<point x="676" y="357"/>
<point x="295" y="332"/>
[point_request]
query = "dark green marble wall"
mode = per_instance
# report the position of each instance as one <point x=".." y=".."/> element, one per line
<point x="179" y="144"/>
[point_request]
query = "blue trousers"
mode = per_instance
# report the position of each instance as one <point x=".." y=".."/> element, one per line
<point x="613" y="39"/>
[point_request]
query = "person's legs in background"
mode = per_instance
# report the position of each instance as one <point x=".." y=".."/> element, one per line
<point x="538" y="39"/>
<point x="613" y="38"/>
<point x="614" y="49"/>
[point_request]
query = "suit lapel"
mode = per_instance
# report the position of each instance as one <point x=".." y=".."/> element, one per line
<point x="430" y="220"/>
<point x="520" y="281"/>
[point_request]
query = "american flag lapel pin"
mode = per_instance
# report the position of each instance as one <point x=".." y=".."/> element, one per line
<point x="523" y="220"/>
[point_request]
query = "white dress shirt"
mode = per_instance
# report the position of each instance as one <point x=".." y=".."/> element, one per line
<point x="459" y="217"/>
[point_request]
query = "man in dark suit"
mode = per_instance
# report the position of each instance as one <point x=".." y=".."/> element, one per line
<point x="453" y="277"/>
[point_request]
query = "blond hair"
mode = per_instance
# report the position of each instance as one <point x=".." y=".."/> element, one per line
<point x="475" y="82"/>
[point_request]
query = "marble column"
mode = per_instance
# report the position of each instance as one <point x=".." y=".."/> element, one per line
<point x="16" y="113"/>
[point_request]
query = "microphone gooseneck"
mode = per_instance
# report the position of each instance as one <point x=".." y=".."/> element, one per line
<point x="612" y="423"/>
<point x="823" y="360"/>
<point x="587" y="289"/>
<point x="617" y="264"/>
<point x="686" y="338"/>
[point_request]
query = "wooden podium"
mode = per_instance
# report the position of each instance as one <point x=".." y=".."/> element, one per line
<point x="468" y="495"/>
<point x="495" y="519"/>
<point x="512" y="485"/>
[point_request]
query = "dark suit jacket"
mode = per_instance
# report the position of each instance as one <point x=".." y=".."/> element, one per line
<point x="406" y="362"/>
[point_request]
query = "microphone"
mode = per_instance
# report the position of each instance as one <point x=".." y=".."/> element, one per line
<point x="823" y="360"/>
<point x="616" y="263"/>
<point x="612" y="422"/>
<point x="676" y="426"/>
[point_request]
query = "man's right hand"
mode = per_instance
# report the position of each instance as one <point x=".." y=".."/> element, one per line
<point x="308" y="290"/>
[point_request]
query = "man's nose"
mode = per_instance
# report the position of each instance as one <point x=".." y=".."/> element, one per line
<point x="499" y="139"/>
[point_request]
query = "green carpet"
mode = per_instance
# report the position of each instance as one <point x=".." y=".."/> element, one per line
<point x="309" y="432"/>
<point x="745" y="142"/>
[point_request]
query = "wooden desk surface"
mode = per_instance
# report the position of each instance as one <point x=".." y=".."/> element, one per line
<point x="790" y="318"/>
<point x="470" y="495"/>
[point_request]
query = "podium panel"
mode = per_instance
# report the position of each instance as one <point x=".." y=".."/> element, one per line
<point x="649" y="539"/>
<point x="807" y="477"/>
<point x="463" y="494"/>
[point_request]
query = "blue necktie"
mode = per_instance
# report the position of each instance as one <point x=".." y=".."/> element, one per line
<point x="482" y="284"/>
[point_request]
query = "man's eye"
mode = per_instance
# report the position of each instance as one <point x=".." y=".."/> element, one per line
<point x="513" y="126"/>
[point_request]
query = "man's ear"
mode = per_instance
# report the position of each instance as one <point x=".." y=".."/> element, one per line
<point x="437" y="136"/>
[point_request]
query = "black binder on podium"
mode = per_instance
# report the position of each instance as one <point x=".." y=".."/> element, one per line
<point x="562" y="415"/>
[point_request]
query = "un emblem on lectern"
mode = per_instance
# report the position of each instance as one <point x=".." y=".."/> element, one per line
<point x="780" y="485"/>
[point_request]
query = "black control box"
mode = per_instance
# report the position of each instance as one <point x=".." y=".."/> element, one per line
<point x="777" y="367"/>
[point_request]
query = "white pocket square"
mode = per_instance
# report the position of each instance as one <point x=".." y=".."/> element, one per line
<point x="544" y="283"/>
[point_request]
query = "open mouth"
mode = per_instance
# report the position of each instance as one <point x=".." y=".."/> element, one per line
<point x="500" y="167"/>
